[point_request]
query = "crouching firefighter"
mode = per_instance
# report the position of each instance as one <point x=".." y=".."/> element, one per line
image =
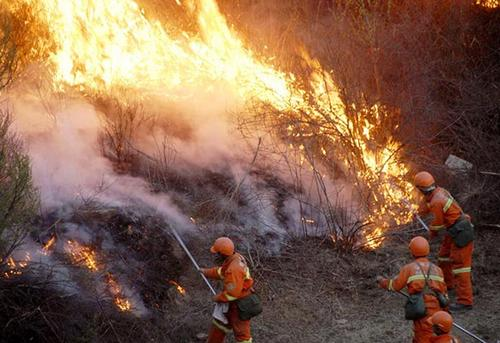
<point x="455" y="254"/>
<point x="426" y="289"/>
<point x="441" y="325"/>
<point x="238" y="295"/>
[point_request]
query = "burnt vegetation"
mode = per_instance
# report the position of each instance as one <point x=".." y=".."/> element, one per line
<point x="436" y="63"/>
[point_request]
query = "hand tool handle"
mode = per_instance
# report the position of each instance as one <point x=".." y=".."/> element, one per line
<point x="179" y="239"/>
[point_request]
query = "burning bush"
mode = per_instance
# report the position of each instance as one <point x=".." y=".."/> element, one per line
<point x="7" y="50"/>
<point x="396" y="57"/>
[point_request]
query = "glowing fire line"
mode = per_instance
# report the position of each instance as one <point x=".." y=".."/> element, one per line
<point x="180" y="289"/>
<point x="16" y="268"/>
<point x="87" y="257"/>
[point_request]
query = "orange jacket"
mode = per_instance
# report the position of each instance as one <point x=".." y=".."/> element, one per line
<point x="445" y="339"/>
<point x="412" y="277"/>
<point x="445" y="209"/>
<point x="236" y="276"/>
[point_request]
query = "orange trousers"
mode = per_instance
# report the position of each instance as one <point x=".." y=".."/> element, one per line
<point x="456" y="264"/>
<point x="422" y="330"/>
<point x="444" y="260"/>
<point x="241" y="328"/>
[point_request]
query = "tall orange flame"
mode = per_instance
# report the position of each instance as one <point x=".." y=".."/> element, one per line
<point x="98" y="46"/>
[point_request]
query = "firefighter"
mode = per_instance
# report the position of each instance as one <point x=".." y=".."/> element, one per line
<point x="441" y="325"/>
<point x="455" y="254"/>
<point x="424" y="278"/>
<point x="238" y="283"/>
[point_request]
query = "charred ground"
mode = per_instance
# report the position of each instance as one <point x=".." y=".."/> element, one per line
<point x="311" y="293"/>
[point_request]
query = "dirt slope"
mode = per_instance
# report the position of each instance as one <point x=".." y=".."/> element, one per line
<point x="313" y="295"/>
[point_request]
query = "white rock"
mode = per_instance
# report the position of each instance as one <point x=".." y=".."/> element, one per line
<point x="457" y="164"/>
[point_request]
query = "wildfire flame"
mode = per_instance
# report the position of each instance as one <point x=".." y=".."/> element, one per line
<point x="120" y="301"/>
<point x="488" y="3"/>
<point x="83" y="255"/>
<point x="98" y="46"/>
<point x="308" y="221"/>
<point x="86" y="256"/>
<point x="180" y="289"/>
<point x="15" y="268"/>
<point x="48" y="246"/>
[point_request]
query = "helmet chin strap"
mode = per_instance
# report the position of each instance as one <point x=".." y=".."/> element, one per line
<point x="437" y="330"/>
<point x="219" y="258"/>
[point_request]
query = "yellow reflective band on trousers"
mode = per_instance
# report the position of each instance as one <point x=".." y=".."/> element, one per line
<point x="421" y="277"/>
<point x="221" y="326"/>
<point x="246" y="341"/>
<point x="444" y="259"/>
<point x="462" y="270"/>
<point x="447" y="206"/>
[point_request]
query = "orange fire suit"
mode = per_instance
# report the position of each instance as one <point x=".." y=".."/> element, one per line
<point x="444" y="339"/>
<point x="455" y="262"/>
<point x="237" y="284"/>
<point x="412" y="277"/>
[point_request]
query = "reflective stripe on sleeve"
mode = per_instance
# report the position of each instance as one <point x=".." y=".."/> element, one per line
<point x="230" y="297"/>
<point x="219" y="272"/>
<point x="447" y="206"/>
<point x="390" y="287"/>
<point x="461" y="270"/>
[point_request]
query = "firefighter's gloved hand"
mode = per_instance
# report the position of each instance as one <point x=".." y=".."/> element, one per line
<point x="379" y="280"/>
<point x="203" y="271"/>
<point x="215" y="298"/>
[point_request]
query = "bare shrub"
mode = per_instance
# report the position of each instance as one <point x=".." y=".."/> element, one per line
<point x="121" y="122"/>
<point x="158" y="168"/>
<point x="18" y="197"/>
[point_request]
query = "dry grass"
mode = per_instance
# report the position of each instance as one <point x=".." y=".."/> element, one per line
<point x="312" y="294"/>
